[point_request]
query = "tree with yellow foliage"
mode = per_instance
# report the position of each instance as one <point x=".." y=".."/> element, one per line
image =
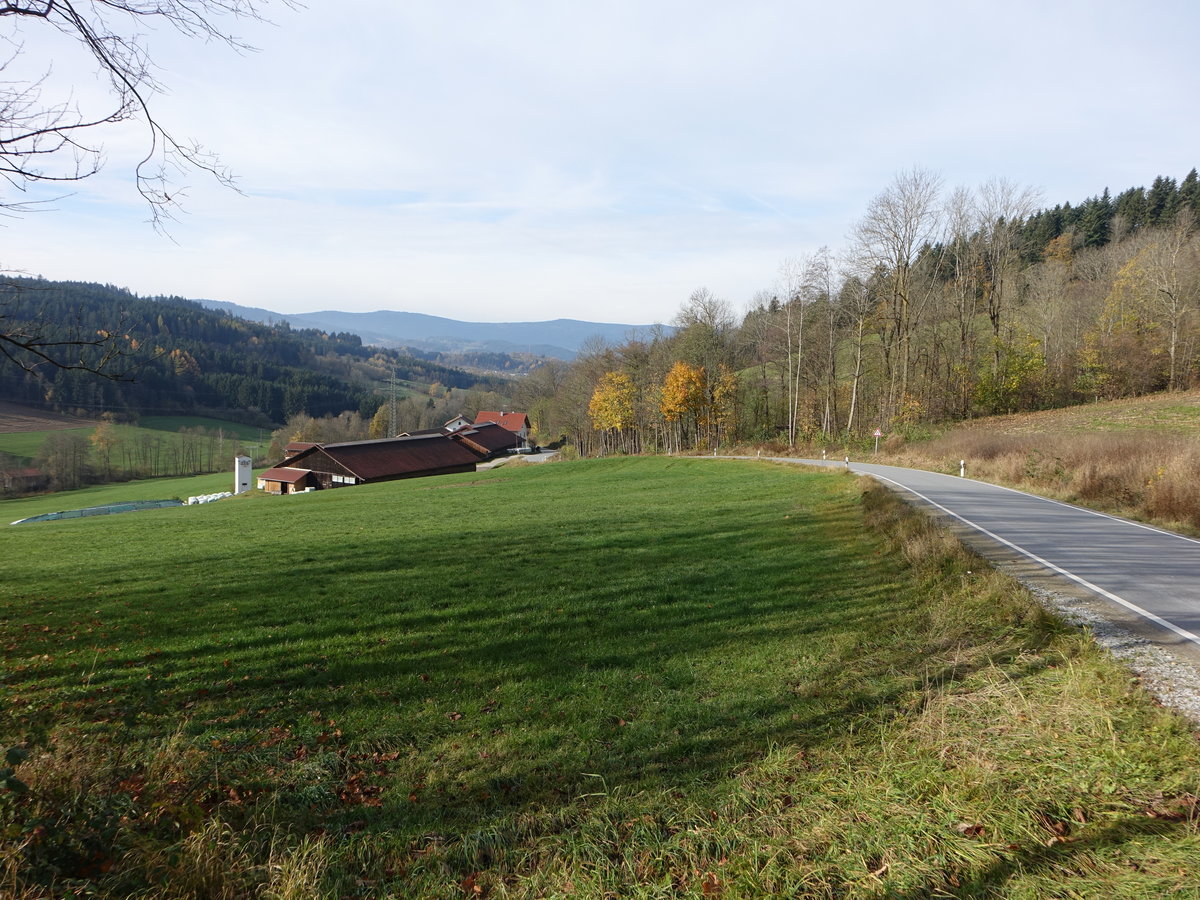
<point x="1122" y="354"/>
<point x="612" y="411"/>
<point x="683" y="401"/>
<point x="104" y="439"/>
<point x="724" y="403"/>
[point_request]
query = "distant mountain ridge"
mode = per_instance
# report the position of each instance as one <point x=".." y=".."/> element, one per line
<point x="184" y="358"/>
<point x="559" y="338"/>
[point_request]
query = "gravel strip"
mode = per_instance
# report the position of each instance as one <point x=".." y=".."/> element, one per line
<point x="1173" y="681"/>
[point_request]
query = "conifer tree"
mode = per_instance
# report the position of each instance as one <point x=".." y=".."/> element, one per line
<point x="1189" y="193"/>
<point x="1162" y="201"/>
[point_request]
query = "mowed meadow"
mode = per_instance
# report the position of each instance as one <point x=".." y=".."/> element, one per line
<point x="644" y="677"/>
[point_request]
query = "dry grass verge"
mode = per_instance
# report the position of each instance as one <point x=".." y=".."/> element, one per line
<point x="1146" y="475"/>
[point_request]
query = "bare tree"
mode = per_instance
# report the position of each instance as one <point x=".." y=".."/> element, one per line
<point x="898" y="224"/>
<point x="819" y="284"/>
<point x="962" y="232"/>
<point x="1048" y="316"/>
<point x="1172" y="265"/>
<point x="756" y="336"/>
<point x="703" y="307"/>
<point x="705" y="326"/>
<point x="791" y="322"/>
<point x="1003" y="206"/>
<point x="47" y="138"/>
<point x="857" y="304"/>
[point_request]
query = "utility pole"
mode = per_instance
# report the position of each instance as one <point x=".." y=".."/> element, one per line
<point x="392" y="410"/>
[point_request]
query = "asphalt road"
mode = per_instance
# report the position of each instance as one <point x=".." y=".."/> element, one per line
<point x="1144" y="571"/>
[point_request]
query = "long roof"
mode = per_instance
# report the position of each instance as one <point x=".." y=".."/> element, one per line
<point x="490" y="436"/>
<point x="390" y="457"/>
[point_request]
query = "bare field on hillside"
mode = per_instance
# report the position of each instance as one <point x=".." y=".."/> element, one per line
<point x="1176" y="413"/>
<point x="15" y="418"/>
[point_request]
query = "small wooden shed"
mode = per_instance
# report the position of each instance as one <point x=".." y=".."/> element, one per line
<point x="286" y="480"/>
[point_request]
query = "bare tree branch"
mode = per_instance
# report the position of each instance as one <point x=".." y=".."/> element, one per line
<point x="32" y="339"/>
<point x="47" y="141"/>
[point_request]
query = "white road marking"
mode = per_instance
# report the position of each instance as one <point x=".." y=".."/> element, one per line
<point x="1120" y="601"/>
<point x="1083" y="509"/>
<point x="1158" y="620"/>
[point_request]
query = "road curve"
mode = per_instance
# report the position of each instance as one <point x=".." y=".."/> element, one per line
<point x="1146" y="571"/>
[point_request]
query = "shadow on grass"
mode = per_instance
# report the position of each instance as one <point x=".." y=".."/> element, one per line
<point x="502" y="707"/>
<point x="478" y="692"/>
<point x="1058" y="857"/>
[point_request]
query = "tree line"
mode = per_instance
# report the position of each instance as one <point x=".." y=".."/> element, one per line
<point x="113" y="452"/>
<point x="945" y="304"/>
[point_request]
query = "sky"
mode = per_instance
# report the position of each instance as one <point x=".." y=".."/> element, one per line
<point x="538" y="159"/>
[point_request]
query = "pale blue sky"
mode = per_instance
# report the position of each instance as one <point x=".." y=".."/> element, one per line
<point x="530" y="160"/>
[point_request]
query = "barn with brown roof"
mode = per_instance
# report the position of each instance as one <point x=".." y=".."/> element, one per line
<point x="366" y="462"/>
<point x="516" y="422"/>
<point x="24" y="481"/>
<point x="488" y="438"/>
<point x="297" y="447"/>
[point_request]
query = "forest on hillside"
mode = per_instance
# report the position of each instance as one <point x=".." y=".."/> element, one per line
<point x="945" y="305"/>
<point x="168" y="355"/>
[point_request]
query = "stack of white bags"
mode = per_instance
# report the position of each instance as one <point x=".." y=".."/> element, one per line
<point x="208" y="498"/>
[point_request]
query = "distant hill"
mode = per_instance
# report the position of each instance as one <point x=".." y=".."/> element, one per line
<point x="189" y="360"/>
<point x="558" y="338"/>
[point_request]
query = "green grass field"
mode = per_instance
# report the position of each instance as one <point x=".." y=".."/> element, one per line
<point x="641" y="677"/>
<point x="25" y="445"/>
<point x="99" y="495"/>
<point x="247" y="433"/>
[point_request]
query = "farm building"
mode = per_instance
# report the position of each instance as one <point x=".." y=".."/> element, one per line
<point x="283" y="480"/>
<point x="24" y="481"/>
<point x="364" y="462"/>
<point x="516" y="422"/>
<point x="297" y="447"/>
<point x="488" y="440"/>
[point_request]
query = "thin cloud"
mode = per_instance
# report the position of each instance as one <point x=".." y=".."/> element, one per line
<point x="525" y="161"/>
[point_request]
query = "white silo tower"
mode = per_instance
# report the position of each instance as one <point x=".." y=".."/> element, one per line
<point x="241" y="481"/>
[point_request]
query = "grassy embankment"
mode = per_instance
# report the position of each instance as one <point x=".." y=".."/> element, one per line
<point x="645" y="677"/>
